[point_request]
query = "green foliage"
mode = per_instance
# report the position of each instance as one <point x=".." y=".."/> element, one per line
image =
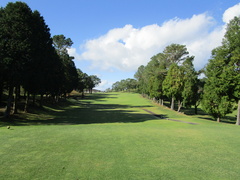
<point x="61" y="44"/>
<point x="30" y="58"/>
<point x="15" y="40"/>
<point x="92" y="81"/>
<point x="173" y="83"/>
<point x="223" y="74"/>
<point x="170" y="73"/>
<point x="214" y="104"/>
<point x="190" y="88"/>
<point x="175" y="53"/>
<point x="125" y="85"/>
<point x="140" y="79"/>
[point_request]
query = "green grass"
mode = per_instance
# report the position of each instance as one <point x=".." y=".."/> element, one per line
<point x="110" y="136"/>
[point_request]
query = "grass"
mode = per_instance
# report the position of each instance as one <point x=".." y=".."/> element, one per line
<point x="110" y="136"/>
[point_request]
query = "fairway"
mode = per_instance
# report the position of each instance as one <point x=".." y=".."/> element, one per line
<point x="113" y="136"/>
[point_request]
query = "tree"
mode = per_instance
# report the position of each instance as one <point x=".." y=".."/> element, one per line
<point x="2" y="64"/>
<point x="125" y="85"/>
<point x="69" y="71"/>
<point x="216" y="99"/>
<point x="115" y="86"/>
<point x="223" y="75"/>
<point x="61" y="44"/>
<point x="92" y="81"/>
<point x="39" y="66"/>
<point x="173" y="83"/>
<point x="190" y="80"/>
<point x="16" y="42"/>
<point x="130" y="84"/>
<point x="231" y="41"/>
<point x="175" y="53"/>
<point x="82" y="82"/>
<point x="139" y="75"/>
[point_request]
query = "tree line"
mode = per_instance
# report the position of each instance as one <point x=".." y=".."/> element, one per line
<point x="32" y="60"/>
<point x="128" y="84"/>
<point x="171" y="75"/>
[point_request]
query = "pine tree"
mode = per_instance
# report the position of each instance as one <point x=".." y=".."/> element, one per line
<point x="231" y="42"/>
<point x="15" y="36"/>
<point x="190" y="83"/>
<point x="173" y="83"/>
<point x="223" y="75"/>
<point x="216" y="100"/>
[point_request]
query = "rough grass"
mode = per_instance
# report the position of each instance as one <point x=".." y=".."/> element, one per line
<point x="110" y="136"/>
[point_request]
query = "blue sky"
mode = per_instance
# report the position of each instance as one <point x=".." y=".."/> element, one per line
<point x="112" y="38"/>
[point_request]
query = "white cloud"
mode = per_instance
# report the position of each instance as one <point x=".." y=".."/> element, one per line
<point x="231" y="12"/>
<point x="73" y="52"/>
<point x="104" y="85"/>
<point x="127" y="48"/>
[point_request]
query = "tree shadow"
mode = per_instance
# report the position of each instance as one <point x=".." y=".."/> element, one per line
<point x="77" y="112"/>
<point x="95" y="96"/>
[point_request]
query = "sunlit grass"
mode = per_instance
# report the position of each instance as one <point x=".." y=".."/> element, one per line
<point x="110" y="136"/>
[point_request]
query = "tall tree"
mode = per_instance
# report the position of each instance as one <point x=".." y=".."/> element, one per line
<point x="2" y="64"/>
<point x="231" y="41"/>
<point x="92" y="82"/>
<point x="175" y="53"/>
<point x="15" y="36"/>
<point x="82" y="82"/>
<point x="216" y="99"/>
<point x="140" y="80"/>
<point x="223" y="74"/>
<point x="38" y="68"/>
<point x="69" y="71"/>
<point x="61" y="44"/>
<point x="173" y="83"/>
<point x="190" y="81"/>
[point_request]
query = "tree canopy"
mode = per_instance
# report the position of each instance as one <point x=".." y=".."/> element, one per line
<point x="33" y="60"/>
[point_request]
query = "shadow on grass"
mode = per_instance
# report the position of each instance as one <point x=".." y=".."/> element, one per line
<point x="76" y="112"/>
<point x="96" y="97"/>
<point x="226" y="119"/>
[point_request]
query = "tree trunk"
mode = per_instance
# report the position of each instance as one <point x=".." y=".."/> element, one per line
<point x="34" y="99"/>
<point x="16" y="97"/>
<point x="41" y="101"/>
<point x="9" y="103"/>
<point x="26" y="102"/>
<point x="56" y="98"/>
<point x="179" y="106"/>
<point x="218" y="119"/>
<point x="162" y="102"/>
<point x="18" y="92"/>
<point x="1" y="91"/>
<point x="196" y="112"/>
<point x="172" y="104"/>
<point x="238" y="113"/>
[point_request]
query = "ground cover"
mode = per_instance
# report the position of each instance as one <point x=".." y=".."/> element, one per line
<point x="112" y="136"/>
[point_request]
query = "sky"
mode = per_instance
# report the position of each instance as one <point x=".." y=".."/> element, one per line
<point x="112" y="38"/>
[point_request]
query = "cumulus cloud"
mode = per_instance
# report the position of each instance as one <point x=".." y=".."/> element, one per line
<point x="127" y="48"/>
<point x="104" y="85"/>
<point x="231" y="12"/>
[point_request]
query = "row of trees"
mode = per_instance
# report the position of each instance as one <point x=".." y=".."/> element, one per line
<point x="171" y="75"/>
<point x="33" y="60"/>
<point x="125" y="85"/>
